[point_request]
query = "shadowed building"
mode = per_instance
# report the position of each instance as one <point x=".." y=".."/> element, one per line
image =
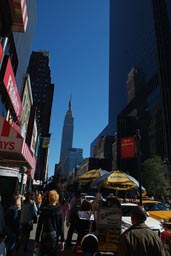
<point x="42" y="89"/>
<point x="139" y="76"/>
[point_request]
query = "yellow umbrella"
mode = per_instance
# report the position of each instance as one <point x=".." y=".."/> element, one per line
<point x="91" y="175"/>
<point x="121" y="181"/>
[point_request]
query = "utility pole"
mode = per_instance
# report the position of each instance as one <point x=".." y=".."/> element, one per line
<point x="138" y="154"/>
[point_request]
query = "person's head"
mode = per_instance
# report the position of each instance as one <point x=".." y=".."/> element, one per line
<point x="53" y="197"/>
<point x="112" y="201"/>
<point x="89" y="244"/>
<point x="28" y="197"/>
<point x="138" y="215"/>
<point x="38" y="198"/>
<point x="17" y="192"/>
<point x="85" y="205"/>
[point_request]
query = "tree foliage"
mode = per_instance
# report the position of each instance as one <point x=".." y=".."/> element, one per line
<point x="153" y="176"/>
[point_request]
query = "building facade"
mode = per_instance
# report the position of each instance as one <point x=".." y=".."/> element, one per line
<point x="67" y="133"/>
<point x="42" y="90"/>
<point x="103" y="149"/>
<point x="23" y="42"/>
<point x="73" y="159"/>
<point x="70" y="157"/>
<point x="93" y="163"/>
<point x="139" y="78"/>
<point x="17" y="20"/>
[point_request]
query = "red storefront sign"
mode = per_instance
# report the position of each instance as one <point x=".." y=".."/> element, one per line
<point x="17" y="148"/>
<point x="127" y="147"/>
<point x="13" y="147"/>
<point x="11" y="88"/>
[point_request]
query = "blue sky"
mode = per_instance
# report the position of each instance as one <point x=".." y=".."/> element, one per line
<point x="76" y="34"/>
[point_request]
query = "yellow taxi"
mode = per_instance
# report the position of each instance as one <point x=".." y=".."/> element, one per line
<point x="158" y="210"/>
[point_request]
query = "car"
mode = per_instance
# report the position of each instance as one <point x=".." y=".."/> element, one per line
<point x="158" y="210"/>
<point x="152" y="223"/>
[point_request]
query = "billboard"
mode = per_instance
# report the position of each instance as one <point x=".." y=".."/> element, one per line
<point x="11" y="88"/>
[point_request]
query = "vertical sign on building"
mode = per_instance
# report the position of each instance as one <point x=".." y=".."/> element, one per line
<point x="128" y="147"/>
<point x="11" y="88"/>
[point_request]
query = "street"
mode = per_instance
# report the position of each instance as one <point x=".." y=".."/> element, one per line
<point x="67" y="252"/>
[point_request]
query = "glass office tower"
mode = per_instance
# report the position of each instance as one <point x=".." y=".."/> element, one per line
<point x="140" y="43"/>
<point x="132" y="43"/>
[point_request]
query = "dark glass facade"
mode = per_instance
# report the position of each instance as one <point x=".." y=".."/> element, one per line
<point x="151" y="107"/>
<point x="132" y="42"/>
<point x="140" y="36"/>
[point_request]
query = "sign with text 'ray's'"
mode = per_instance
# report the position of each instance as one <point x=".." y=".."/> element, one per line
<point x="128" y="147"/>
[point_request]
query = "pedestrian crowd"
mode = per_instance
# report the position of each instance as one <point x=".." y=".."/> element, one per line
<point x="51" y="210"/>
<point x="17" y="215"/>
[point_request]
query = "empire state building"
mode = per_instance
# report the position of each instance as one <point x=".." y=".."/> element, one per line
<point x="67" y="134"/>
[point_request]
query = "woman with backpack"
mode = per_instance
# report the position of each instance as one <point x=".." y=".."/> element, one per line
<point x="50" y="227"/>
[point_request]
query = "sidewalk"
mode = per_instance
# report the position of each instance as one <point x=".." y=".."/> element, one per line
<point x="67" y="252"/>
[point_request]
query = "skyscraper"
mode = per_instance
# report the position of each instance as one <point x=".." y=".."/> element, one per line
<point x="140" y="57"/>
<point x="70" y="157"/>
<point x="42" y="89"/>
<point x="67" y="133"/>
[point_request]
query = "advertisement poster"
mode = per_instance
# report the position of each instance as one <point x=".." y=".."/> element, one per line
<point x="108" y="229"/>
<point x="128" y="147"/>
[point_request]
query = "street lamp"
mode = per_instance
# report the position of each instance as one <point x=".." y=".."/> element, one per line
<point x="138" y="153"/>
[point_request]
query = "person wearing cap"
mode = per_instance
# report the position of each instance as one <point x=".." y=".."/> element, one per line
<point x="139" y="239"/>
